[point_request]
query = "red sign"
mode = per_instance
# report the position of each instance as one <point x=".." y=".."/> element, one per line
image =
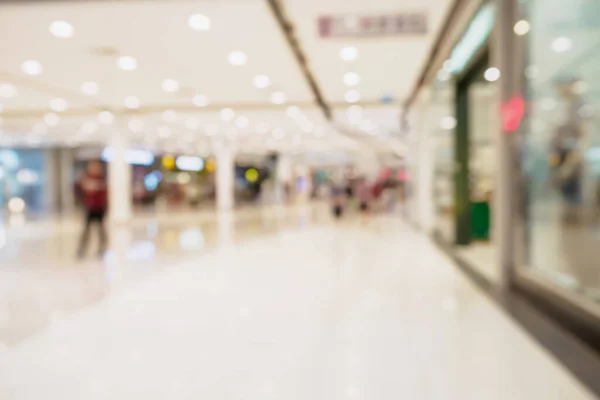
<point x="512" y="113"/>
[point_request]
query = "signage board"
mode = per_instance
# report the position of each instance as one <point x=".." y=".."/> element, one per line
<point x="356" y="26"/>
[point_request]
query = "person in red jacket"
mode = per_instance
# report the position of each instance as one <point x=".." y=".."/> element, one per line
<point x="94" y="191"/>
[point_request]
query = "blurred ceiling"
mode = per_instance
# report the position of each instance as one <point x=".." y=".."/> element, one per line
<point x="177" y="74"/>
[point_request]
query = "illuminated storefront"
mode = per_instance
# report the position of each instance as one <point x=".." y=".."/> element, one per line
<point x="22" y="180"/>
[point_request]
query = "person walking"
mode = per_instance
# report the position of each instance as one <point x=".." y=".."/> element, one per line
<point x="94" y="191"/>
<point x="364" y="193"/>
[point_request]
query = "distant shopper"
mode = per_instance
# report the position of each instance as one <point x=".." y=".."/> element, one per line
<point x="94" y="191"/>
<point x="364" y="193"/>
<point x="338" y="198"/>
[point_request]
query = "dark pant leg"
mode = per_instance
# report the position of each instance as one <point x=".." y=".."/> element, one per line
<point x="85" y="236"/>
<point x="101" y="231"/>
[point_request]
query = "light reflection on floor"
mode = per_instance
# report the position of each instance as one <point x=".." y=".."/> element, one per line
<point x="261" y="305"/>
<point x="40" y="276"/>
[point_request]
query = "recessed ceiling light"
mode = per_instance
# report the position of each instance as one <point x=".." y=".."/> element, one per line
<point x="242" y="122"/>
<point x="531" y="72"/>
<point x="561" y="44"/>
<point x="521" y="27"/>
<point x="548" y="103"/>
<point x="58" y="104"/>
<point x="127" y="63"/>
<point x="278" y="133"/>
<point x="448" y="123"/>
<point x="31" y="67"/>
<point x="349" y="53"/>
<point x="443" y="75"/>
<point x="262" y="128"/>
<point x="132" y="102"/>
<point x="278" y="98"/>
<point x="135" y="125"/>
<point x="352" y="96"/>
<point x="90" y="88"/>
<point x="491" y="74"/>
<point x="51" y="119"/>
<point x="89" y="127"/>
<point x="164" y="131"/>
<point x="7" y="90"/>
<point x="170" y="85"/>
<point x="580" y="87"/>
<point x="199" y="22"/>
<point x="34" y="141"/>
<point x="237" y="58"/>
<point x="106" y="117"/>
<point x="211" y="129"/>
<point x="61" y="29"/>
<point x="355" y="114"/>
<point x="170" y="116"/>
<point x="39" y="128"/>
<point x="293" y="112"/>
<point x="308" y="127"/>
<point x="351" y="79"/>
<point x="192" y="123"/>
<point x="200" y="100"/>
<point x="261" y="81"/>
<point x="227" y="114"/>
<point x="369" y="126"/>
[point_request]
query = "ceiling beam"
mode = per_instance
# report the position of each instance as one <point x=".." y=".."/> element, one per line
<point x="287" y="28"/>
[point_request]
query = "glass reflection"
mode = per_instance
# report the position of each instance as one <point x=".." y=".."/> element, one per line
<point x="561" y="158"/>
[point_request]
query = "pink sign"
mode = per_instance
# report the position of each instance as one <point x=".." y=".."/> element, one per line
<point x="371" y="26"/>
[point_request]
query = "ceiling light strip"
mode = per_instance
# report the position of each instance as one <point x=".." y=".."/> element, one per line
<point x="288" y="31"/>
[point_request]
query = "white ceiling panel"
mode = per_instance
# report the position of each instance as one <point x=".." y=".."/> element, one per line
<point x="157" y="34"/>
<point x="387" y="66"/>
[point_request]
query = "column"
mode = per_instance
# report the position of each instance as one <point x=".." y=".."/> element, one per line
<point x="225" y="176"/>
<point x="425" y="172"/>
<point x="119" y="182"/>
<point x="67" y="180"/>
<point x="506" y="57"/>
<point x="283" y="175"/>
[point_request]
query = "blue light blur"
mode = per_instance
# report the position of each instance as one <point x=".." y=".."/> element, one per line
<point x="152" y="180"/>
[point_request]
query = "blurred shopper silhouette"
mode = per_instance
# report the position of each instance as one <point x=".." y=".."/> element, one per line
<point x="94" y="191"/>
<point x="338" y="197"/>
<point x="364" y="193"/>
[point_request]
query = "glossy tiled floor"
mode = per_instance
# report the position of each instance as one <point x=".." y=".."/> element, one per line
<point x="266" y="304"/>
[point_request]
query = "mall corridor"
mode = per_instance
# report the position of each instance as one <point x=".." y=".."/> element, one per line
<point x="299" y="200"/>
<point x="279" y="303"/>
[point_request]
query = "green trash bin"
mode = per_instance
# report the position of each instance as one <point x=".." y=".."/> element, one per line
<point x="480" y="220"/>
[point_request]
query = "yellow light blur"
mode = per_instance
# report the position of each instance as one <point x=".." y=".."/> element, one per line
<point x="168" y="162"/>
<point x="210" y="166"/>
<point x="251" y="175"/>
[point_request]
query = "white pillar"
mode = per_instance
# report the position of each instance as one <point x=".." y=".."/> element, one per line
<point x="225" y="176"/>
<point x="67" y="180"/>
<point x="425" y="170"/>
<point x="283" y="174"/>
<point x="119" y="182"/>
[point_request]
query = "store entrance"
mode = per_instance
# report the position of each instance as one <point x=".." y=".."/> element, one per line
<point x="475" y="160"/>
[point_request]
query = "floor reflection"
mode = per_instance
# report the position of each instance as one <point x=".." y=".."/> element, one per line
<point x="41" y="279"/>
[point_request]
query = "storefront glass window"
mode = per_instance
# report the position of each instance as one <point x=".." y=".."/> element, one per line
<point x="443" y="122"/>
<point x="561" y="156"/>
<point x="22" y="180"/>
